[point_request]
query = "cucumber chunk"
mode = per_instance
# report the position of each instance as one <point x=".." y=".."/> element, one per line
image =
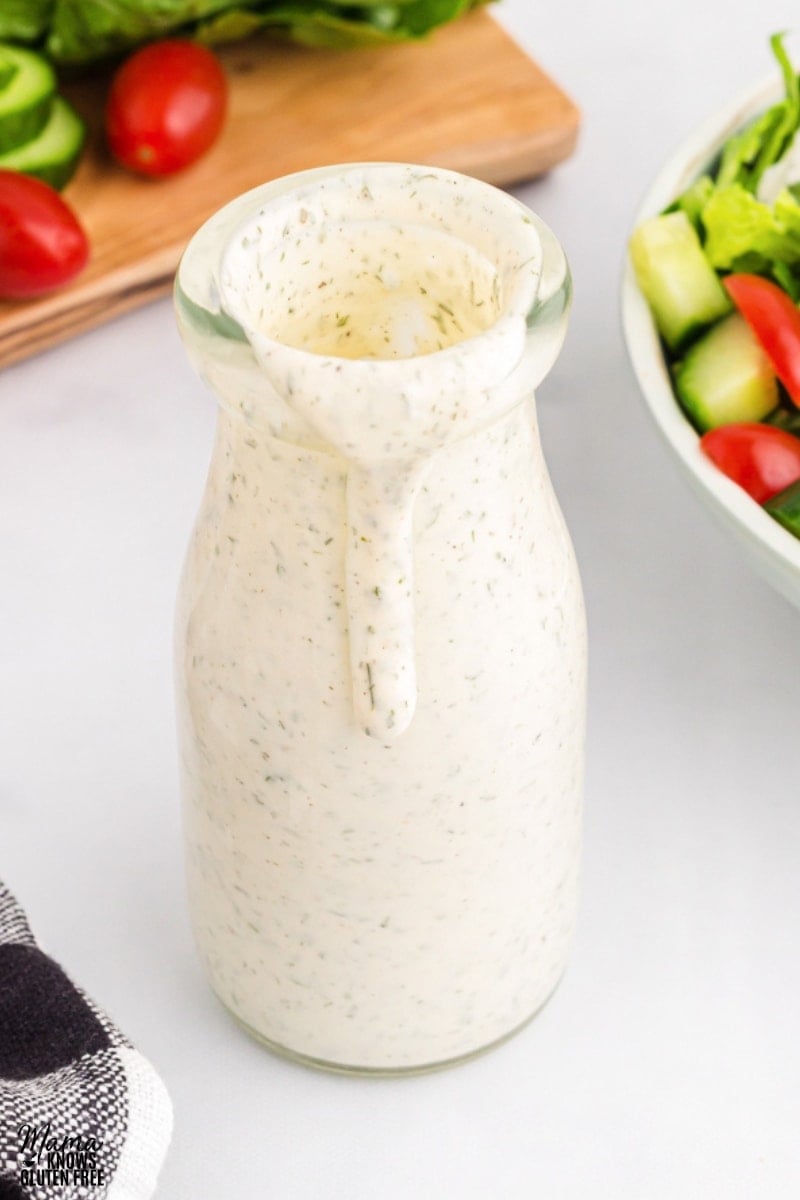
<point x="26" y="98"/>
<point x="676" y="278"/>
<point x="726" y="377"/>
<point x="785" y="507"/>
<point x="53" y="155"/>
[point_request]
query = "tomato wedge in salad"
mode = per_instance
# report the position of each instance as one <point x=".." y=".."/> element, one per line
<point x="762" y="459"/>
<point x="775" y="320"/>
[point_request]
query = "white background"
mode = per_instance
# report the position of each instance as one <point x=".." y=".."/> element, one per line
<point x="668" y="1064"/>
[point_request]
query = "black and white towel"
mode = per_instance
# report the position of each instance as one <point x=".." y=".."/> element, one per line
<point x="83" y="1116"/>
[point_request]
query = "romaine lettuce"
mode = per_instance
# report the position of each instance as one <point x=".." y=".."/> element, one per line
<point x="740" y="232"/>
<point x="337" y="26"/>
<point x="24" y="20"/>
<point x="84" y="30"/>
<point x="747" y="156"/>
<point x="739" y="227"/>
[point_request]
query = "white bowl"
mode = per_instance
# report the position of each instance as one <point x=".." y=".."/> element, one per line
<point x="769" y="548"/>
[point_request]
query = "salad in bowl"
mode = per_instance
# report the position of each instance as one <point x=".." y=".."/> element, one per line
<point x="711" y="317"/>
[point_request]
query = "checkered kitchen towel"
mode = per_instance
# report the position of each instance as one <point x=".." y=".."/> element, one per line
<point x="83" y="1116"/>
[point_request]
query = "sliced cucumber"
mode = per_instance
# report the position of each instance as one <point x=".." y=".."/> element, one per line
<point x="785" y="507"/>
<point x="726" y="377"/>
<point x="677" y="280"/>
<point x="53" y="155"/>
<point x="26" y="98"/>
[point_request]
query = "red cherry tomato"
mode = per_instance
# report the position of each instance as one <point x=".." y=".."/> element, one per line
<point x="166" y="107"/>
<point x="42" y="244"/>
<point x="760" y="458"/>
<point x="775" y="320"/>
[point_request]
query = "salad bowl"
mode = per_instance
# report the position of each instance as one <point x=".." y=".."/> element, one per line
<point x="769" y="548"/>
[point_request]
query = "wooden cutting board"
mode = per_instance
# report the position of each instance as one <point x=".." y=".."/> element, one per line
<point x="468" y="98"/>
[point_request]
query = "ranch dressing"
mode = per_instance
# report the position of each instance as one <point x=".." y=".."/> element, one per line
<point x="381" y="650"/>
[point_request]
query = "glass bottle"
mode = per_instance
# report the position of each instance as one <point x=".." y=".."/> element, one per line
<point x="381" y="641"/>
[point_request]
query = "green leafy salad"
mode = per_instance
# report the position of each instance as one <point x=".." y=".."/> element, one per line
<point x="79" y="31"/>
<point x="751" y="221"/>
<point x="720" y="269"/>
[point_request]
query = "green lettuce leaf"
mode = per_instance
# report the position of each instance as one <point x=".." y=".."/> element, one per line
<point x="742" y="234"/>
<point x="84" y="30"/>
<point x="738" y="231"/>
<point x="789" y="280"/>
<point x="317" y="23"/>
<point x="229" y="26"/>
<point x="24" y="20"/>
<point x="418" y="18"/>
<point x="738" y="225"/>
<point x="747" y="155"/>
<point x="313" y="25"/>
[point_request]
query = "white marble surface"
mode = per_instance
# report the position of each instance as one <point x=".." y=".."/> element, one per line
<point x="668" y="1064"/>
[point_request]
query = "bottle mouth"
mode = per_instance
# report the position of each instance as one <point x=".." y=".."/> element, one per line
<point x="383" y="263"/>
<point x="379" y="309"/>
<point x="385" y="303"/>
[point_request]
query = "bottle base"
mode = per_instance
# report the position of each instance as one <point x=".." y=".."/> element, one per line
<point x="388" y="1072"/>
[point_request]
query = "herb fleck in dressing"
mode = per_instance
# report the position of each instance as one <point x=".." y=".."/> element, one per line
<point x="380" y="635"/>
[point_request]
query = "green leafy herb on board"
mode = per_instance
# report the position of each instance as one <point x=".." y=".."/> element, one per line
<point x="24" y="20"/>
<point x="338" y="26"/>
<point x="79" y="31"/>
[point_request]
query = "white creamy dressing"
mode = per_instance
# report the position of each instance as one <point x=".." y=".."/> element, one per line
<point x="381" y="639"/>
<point x="368" y="300"/>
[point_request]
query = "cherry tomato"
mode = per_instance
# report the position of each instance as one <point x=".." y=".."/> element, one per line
<point x="775" y="320"/>
<point x="42" y="244"/>
<point x="166" y="107"/>
<point x="760" y="458"/>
